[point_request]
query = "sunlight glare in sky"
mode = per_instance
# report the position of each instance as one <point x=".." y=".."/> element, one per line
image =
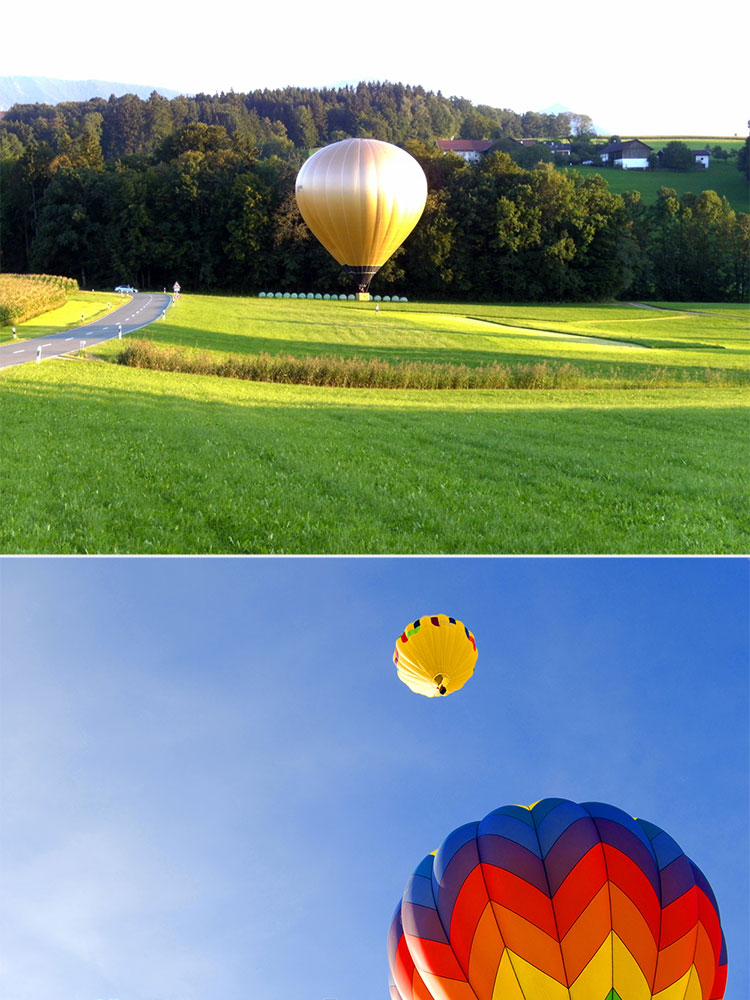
<point x="643" y="68"/>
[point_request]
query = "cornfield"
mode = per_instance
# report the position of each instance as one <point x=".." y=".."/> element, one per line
<point x="23" y="296"/>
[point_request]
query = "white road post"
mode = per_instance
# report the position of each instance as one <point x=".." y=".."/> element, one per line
<point x="119" y="331"/>
<point x="38" y="355"/>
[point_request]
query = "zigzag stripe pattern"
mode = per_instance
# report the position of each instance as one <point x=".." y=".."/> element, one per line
<point x="557" y="901"/>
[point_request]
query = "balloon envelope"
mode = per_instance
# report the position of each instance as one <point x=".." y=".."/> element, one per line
<point x="435" y="655"/>
<point x="557" y="901"/>
<point x="361" y="198"/>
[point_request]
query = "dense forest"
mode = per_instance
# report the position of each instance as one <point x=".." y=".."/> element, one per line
<point x="201" y="190"/>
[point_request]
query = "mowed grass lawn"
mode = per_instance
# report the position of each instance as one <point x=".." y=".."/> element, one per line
<point x="104" y="459"/>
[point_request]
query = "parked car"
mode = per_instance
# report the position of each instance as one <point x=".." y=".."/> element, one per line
<point x="126" y="290"/>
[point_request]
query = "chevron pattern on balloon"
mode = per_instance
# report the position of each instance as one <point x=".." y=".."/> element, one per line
<point x="557" y="901"/>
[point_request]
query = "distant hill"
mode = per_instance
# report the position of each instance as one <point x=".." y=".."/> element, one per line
<point x="561" y="109"/>
<point x="50" y="90"/>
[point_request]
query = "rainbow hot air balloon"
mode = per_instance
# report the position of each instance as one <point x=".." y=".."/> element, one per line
<point x="435" y="655"/>
<point x="361" y="198"/>
<point x="557" y="901"/>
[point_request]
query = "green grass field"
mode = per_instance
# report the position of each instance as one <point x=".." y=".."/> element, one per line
<point x="722" y="177"/>
<point x="683" y="343"/>
<point x="658" y="142"/>
<point x="101" y="458"/>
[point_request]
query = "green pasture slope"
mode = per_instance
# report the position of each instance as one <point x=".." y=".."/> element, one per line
<point x="657" y="142"/>
<point x="101" y="458"/>
<point x="722" y="177"/>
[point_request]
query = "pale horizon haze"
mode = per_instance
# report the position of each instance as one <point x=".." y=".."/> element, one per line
<point x="645" y="68"/>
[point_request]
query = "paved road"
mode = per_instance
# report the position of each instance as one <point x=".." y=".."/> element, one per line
<point x="144" y="308"/>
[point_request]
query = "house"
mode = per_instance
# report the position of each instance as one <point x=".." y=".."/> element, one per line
<point x="630" y="155"/>
<point x="557" y="148"/>
<point x="702" y="156"/>
<point x="470" y="150"/>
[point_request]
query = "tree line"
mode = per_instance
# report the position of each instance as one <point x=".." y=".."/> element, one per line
<point x="271" y="122"/>
<point x="207" y="206"/>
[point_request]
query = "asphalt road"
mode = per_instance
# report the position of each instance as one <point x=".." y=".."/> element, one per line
<point x="143" y="308"/>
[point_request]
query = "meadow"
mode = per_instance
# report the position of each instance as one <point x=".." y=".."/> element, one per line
<point x="658" y="142"/>
<point x="697" y="343"/>
<point x="722" y="177"/>
<point x="103" y="458"/>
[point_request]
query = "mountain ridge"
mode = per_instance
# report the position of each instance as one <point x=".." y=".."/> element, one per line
<point x="54" y="90"/>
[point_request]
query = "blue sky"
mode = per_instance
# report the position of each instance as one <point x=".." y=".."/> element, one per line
<point x="214" y="786"/>
<point x="641" y="68"/>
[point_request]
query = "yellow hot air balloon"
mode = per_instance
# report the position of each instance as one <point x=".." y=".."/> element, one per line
<point x="361" y="198"/>
<point x="435" y="655"/>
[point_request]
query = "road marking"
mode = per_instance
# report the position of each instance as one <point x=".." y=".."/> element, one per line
<point x="97" y="337"/>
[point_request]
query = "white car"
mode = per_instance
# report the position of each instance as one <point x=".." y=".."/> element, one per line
<point x="126" y="290"/>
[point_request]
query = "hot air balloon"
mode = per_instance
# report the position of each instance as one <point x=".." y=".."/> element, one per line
<point x="361" y="198"/>
<point x="435" y="655"/>
<point x="557" y="901"/>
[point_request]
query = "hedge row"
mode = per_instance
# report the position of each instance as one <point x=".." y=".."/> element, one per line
<point x="375" y="374"/>
<point x="23" y="296"/>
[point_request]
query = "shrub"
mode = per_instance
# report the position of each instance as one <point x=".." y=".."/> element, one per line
<point x="372" y="373"/>
<point x="677" y="156"/>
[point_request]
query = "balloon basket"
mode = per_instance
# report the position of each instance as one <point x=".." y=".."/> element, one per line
<point x="363" y="296"/>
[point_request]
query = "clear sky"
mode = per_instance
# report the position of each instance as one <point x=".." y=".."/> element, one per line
<point x="636" y="68"/>
<point x="215" y="787"/>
